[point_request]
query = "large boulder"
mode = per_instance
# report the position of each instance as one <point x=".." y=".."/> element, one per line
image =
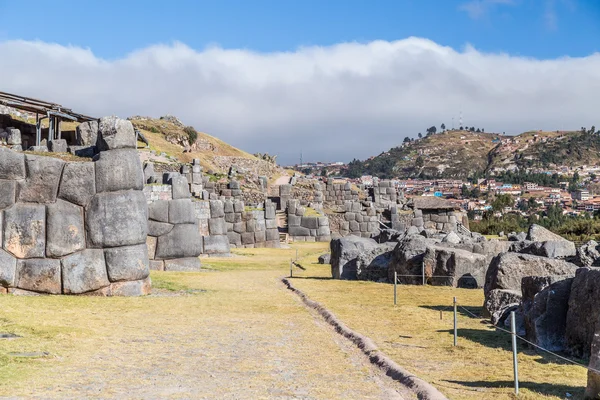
<point x="65" y="230"/>
<point x="508" y="269"/>
<point x="115" y="133"/>
<point x="189" y="264"/>
<point x="12" y="164"/>
<point x="43" y="177"/>
<point x="8" y="266"/>
<point x="462" y="268"/>
<point x="78" y="183"/>
<point x="538" y="233"/>
<point x="86" y="133"/>
<point x="84" y="272"/>
<point x="344" y="252"/>
<point x="181" y="211"/>
<point x="545" y="305"/>
<point x="372" y="265"/>
<point x="25" y="230"/>
<point x="215" y="245"/>
<point x="39" y="275"/>
<point x="592" y="390"/>
<point x="588" y="254"/>
<point x="117" y="219"/>
<point x="550" y="248"/>
<point x="182" y="241"/>
<point x="407" y="259"/>
<point x="499" y="303"/>
<point x="583" y="317"/>
<point x="129" y="263"/>
<point x="119" y="170"/>
<point x="8" y="191"/>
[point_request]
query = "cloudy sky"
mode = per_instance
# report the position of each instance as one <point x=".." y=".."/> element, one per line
<point x="334" y="80"/>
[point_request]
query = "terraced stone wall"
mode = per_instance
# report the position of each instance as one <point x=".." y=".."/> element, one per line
<point x="75" y="227"/>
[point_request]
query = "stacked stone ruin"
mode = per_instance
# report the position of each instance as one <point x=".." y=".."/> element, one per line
<point x="360" y="219"/>
<point x="383" y="192"/>
<point x="174" y="241"/>
<point x="305" y="228"/>
<point x="338" y="193"/>
<point x="251" y="227"/>
<point x="75" y="227"/>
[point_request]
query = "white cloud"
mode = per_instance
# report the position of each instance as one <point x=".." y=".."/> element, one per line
<point x="478" y="9"/>
<point x="333" y="103"/>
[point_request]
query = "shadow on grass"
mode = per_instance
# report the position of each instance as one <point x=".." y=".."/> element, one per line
<point x="545" y="388"/>
<point x="318" y="278"/>
<point x="477" y="310"/>
<point x="489" y="338"/>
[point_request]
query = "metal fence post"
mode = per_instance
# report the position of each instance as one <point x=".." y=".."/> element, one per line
<point x="291" y="270"/>
<point x="513" y="329"/>
<point x="455" y="320"/>
<point x="296" y="254"/>
<point x="423" y="271"/>
<point x="395" y="286"/>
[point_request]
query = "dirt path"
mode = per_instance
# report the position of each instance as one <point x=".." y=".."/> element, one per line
<point x="243" y="336"/>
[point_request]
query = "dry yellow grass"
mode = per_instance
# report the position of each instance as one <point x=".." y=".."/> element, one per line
<point x="231" y="332"/>
<point x="413" y="335"/>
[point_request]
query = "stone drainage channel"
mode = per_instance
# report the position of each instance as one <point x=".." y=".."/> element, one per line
<point x="422" y="389"/>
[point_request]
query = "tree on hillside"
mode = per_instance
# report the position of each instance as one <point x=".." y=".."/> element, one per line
<point x="502" y="201"/>
<point x="406" y="139"/>
<point x="443" y="127"/>
<point x="461" y="128"/>
<point x="420" y="135"/>
<point x="482" y="130"/>
<point x="432" y="130"/>
<point x="472" y="129"/>
<point x="419" y="162"/>
<point x="592" y="130"/>
<point x="478" y="130"/>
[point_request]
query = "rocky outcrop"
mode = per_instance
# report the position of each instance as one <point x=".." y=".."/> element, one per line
<point x="454" y="267"/>
<point x="344" y="254"/>
<point x="545" y="307"/>
<point x="538" y="233"/>
<point x="372" y="265"/>
<point x="407" y="259"/>
<point x="583" y="317"/>
<point x="499" y="303"/>
<point x="588" y="255"/>
<point x="60" y="229"/>
<point x="325" y="258"/>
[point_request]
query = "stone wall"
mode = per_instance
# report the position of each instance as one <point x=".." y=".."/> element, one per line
<point x="303" y="228"/>
<point x="75" y="227"/>
<point x="383" y="192"/>
<point x="441" y="220"/>
<point x="337" y="193"/>
<point x="360" y="219"/>
<point x="251" y="227"/>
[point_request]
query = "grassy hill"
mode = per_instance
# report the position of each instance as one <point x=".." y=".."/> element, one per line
<point x="463" y="154"/>
<point x="451" y="154"/>
<point x="169" y="135"/>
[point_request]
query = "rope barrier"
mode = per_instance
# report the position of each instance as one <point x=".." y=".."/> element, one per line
<point x="531" y="343"/>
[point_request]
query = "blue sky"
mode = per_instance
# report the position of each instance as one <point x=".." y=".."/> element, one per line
<point x="536" y="28"/>
<point x="350" y="78"/>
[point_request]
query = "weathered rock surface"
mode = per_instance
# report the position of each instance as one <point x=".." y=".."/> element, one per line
<point x="463" y="268"/>
<point x="39" y="275"/>
<point x="43" y="177"/>
<point x="130" y="288"/>
<point x="372" y="265"/>
<point x="129" y="263"/>
<point x="119" y="170"/>
<point x="344" y="252"/>
<point x="500" y="302"/>
<point x="8" y="266"/>
<point x="545" y="310"/>
<point x="159" y="211"/>
<point x="116" y="219"/>
<point x="508" y="269"/>
<point x="183" y="241"/>
<point x="84" y="272"/>
<point x="12" y="164"/>
<point x="8" y="191"/>
<point x="65" y="229"/>
<point x="87" y="133"/>
<point x="592" y="390"/>
<point x="78" y="183"/>
<point x="407" y="259"/>
<point x="181" y="211"/>
<point x="115" y="133"/>
<point x="216" y="244"/>
<point x="538" y="233"/>
<point x="25" y="230"/>
<point x="156" y="228"/>
<point x="588" y="254"/>
<point x="183" y="264"/>
<point x="583" y="317"/>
